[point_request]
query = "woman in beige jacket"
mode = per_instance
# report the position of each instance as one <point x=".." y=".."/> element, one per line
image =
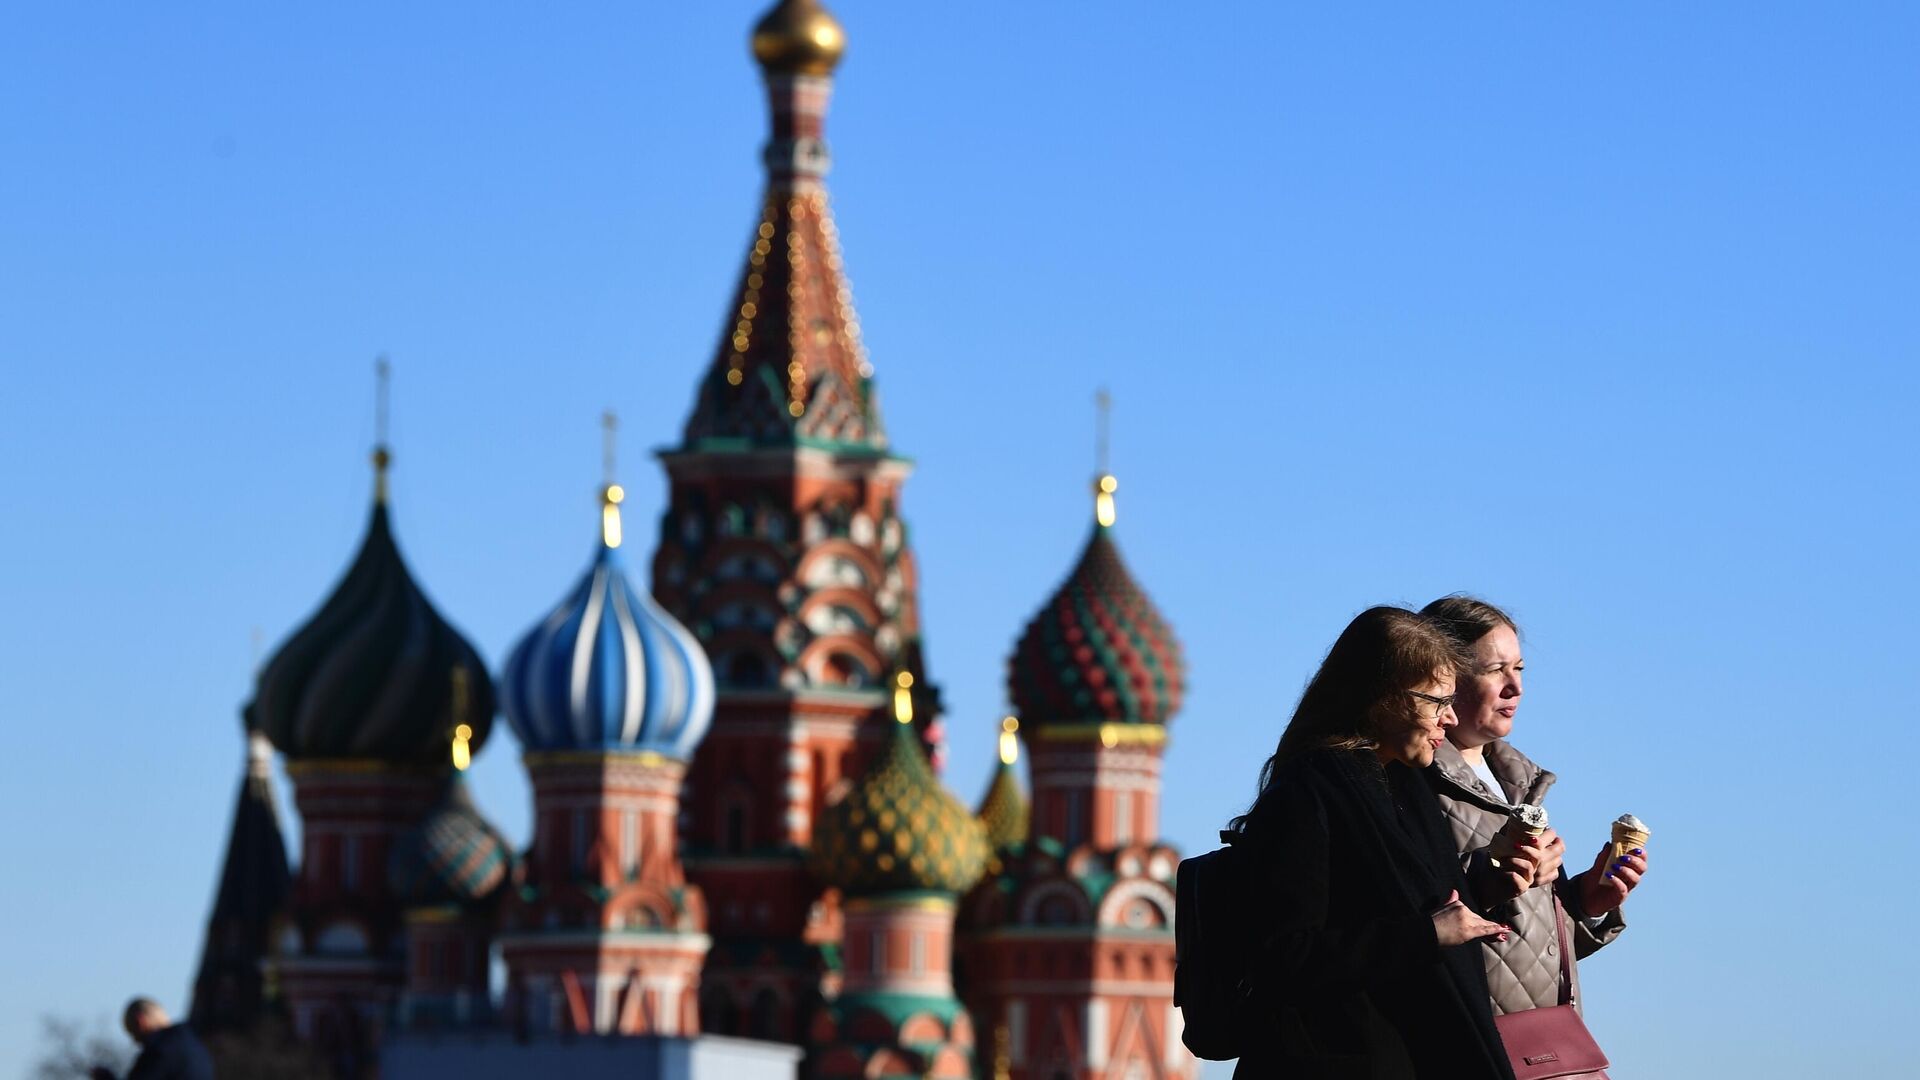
<point x="1479" y="774"/>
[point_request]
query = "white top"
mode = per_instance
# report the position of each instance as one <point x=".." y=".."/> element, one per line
<point x="1486" y="776"/>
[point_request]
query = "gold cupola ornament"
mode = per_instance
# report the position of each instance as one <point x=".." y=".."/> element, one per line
<point x="799" y="37"/>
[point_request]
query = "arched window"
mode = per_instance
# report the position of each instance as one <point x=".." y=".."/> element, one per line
<point x="860" y="529"/>
<point x="735" y="816"/>
<point x="836" y="619"/>
<point x="841" y="669"/>
<point x="763" y="1017"/>
<point x="744" y="613"/>
<point x="745" y="671"/>
<point x="341" y="939"/>
<point x="836" y="570"/>
<point x="717" y="1013"/>
<point x="773" y="525"/>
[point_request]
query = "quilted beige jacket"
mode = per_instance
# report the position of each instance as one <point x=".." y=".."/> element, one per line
<point x="1524" y="971"/>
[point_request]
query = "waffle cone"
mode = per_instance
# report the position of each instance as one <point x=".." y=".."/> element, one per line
<point x="1626" y="839"/>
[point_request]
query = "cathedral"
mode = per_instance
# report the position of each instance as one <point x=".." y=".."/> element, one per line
<point x="744" y="862"/>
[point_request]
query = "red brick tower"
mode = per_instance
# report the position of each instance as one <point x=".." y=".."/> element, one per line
<point x="900" y="849"/>
<point x="1068" y="953"/>
<point x="365" y="700"/>
<point x="449" y="871"/>
<point x="783" y="549"/>
<point x="609" y="696"/>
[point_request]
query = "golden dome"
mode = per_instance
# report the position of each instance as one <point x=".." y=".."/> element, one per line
<point x="898" y="830"/>
<point x="799" y="37"/>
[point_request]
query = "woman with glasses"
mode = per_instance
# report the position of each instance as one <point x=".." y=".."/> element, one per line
<point x="1369" y="963"/>
<point x="1526" y="889"/>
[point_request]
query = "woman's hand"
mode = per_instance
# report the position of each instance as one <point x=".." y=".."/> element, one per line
<point x="1498" y="880"/>
<point x="1548" y="851"/>
<point x="1456" y="924"/>
<point x="1605" y="885"/>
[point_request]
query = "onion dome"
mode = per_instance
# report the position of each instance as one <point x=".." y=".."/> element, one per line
<point x="372" y="675"/>
<point x="1003" y="812"/>
<point x="799" y="37"/>
<point x="609" y="669"/>
<point x="898" y="830"/>
<point x="1098" y="652"/>
<point x="451" y="857"/>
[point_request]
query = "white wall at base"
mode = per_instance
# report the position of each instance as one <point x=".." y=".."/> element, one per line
<point x="496" y="1056"/>
<point x="1096" y="1029"/>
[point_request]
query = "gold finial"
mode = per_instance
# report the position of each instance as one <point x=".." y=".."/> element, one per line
<point x="903" y="697"/>
<point x="1105" y="485"/>
<point x="611" y="494"/>
<point x="799" y="37"/>
<point x="462" y="731"/>
<point x="382" y="457"/>
<point x="1103" y="490"/>
<point x="1009" y="740"/>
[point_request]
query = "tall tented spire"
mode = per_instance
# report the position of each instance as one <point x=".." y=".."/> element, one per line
<point x="790" y="366"/>
<point x="228" y="992"/>
<point x="786" y="552"/>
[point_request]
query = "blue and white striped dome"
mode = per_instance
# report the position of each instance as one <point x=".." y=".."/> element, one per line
<point x="609" y="669"/>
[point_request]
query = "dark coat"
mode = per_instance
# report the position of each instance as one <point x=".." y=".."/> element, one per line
<point x="1353" y="858"/>
<point x="172" y="1053"/>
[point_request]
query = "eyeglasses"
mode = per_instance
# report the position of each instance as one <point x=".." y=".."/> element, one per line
<point x="1441" y="705"/>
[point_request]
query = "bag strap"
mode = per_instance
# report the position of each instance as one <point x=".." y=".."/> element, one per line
<point x="1561" y="916"/>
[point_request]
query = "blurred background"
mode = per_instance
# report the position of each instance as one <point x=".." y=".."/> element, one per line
<point x="1605" y="315"/>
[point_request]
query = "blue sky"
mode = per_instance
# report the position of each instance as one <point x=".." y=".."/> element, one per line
<point x="1604" y="314"/>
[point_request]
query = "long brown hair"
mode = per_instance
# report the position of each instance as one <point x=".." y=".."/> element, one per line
<point x="1467" y="619"/>
<point x="1359" y="693"/>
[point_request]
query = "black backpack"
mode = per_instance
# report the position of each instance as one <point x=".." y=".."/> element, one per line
<point x="1214" y="932"/>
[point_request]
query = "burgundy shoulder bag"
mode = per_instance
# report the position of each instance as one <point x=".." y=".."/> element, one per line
<point x="1553" y="1043"/>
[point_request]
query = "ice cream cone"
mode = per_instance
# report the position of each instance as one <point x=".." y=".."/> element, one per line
<point x="1526" y="824"/>
<point x="1629" y="832"/>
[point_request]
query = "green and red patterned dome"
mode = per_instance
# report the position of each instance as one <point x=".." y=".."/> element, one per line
<point x="1099" y="651"/>
<point x="452" y="856"/>
<point x="898" y="830"/>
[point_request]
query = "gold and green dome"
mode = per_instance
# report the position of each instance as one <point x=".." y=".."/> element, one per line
<point x="1004" y="811"/>
<point x="898" y="830"/>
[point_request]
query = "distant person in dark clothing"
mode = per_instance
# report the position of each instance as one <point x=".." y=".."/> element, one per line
<point x="168" y="1051"/>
